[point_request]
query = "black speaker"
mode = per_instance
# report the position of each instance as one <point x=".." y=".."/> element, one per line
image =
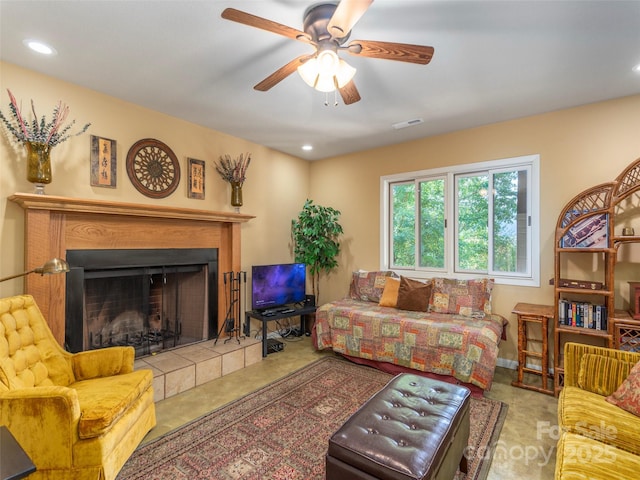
<point x="310" y="300"/>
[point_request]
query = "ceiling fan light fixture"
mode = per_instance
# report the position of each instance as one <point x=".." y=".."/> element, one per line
<point x="309" y="72"/>
<point x="328" y="62"/>
<point x="324" y="74"/>
<point x="345" y="73"/>
<point x="325" y="83"/>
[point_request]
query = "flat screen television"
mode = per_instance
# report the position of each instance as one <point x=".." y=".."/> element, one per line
<point x="274" y="286"/>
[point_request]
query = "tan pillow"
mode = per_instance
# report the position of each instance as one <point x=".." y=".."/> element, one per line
<point x="601" y="374"/>
<point x="390" y="293"/>
<point x="413" y="295"/>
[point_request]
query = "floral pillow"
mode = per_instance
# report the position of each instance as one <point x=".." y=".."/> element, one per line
<point x="368" y="286"/>
<point x="471" y="298"/>
<point x="627" y="396"/>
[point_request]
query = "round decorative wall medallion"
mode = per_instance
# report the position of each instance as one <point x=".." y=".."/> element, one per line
<point x="153" y="168"/>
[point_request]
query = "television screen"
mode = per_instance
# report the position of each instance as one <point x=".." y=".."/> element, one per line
<point x="274" y="286"/>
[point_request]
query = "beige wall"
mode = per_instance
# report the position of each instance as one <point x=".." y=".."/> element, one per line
<point x="277" y="184"/>
<point x="578" y="148"/>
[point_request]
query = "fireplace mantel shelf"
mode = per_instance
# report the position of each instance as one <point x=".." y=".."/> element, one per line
<point x="65" y="204"/>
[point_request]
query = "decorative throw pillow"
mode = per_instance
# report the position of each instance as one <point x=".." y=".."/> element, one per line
<point x="463" y="297"/>
<point x="390" y="293"/>
<point x="413" y="295"/>
<point x="627" y="396"/>
<point x="601" y="374"/>
<point x="368" y="286"/>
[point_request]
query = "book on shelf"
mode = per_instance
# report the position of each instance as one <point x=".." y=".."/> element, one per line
<point x="582" y="314"/>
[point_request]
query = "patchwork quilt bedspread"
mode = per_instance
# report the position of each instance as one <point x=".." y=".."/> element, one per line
<point x="445" y="344"/>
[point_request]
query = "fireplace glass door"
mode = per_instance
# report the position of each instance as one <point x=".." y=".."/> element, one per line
<point x="149" y="307"/>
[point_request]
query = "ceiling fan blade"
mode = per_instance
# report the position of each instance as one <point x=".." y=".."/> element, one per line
<point x="349" y="93"/>
<point x="347" y="14"/>
<point x="282" y="73"/>
<point x="269" y="25"/>
<point x="402" y="52"/>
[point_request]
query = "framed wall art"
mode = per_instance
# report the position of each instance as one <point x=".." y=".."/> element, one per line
<point x="196" y="179"/>
<point x="103" y="162"/>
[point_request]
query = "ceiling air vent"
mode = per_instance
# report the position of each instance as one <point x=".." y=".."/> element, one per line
<point x="408" y="123"/>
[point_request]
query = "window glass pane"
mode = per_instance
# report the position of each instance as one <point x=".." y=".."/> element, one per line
<point x="403" y="206"/>
<point x="510" y="221"/>
<point x="472" y="222"/>
<point x="432" y="216"/>
<point x="493" y="208"/>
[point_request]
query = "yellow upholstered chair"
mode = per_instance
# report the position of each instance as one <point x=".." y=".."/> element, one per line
<point x="598" y="440"/>
<point x="78" y="416"/>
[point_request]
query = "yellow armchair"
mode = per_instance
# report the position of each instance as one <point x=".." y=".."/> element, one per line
<point x="78" y="416"/>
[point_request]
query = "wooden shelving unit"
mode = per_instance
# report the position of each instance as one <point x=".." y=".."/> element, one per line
<point x="586" y="233"/>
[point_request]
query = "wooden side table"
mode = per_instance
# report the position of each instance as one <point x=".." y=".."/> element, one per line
<point x="533" y="315"/>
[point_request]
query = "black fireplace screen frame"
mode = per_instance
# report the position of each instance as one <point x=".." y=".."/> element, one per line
<point x="83" y="262"/>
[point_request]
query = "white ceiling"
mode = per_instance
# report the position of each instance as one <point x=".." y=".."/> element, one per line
<point x="493" y="61"/>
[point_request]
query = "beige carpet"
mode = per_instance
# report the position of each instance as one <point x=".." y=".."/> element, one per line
<point x="281" y="431"/>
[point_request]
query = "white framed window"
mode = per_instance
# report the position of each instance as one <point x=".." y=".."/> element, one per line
<point x="480" y="219"/>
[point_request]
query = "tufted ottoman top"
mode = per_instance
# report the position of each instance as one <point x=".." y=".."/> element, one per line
<point x="404" y="430"/>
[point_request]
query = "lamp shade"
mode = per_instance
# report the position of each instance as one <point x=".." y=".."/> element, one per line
<point x="326" y="71"/>
<point x="53" y="266"/>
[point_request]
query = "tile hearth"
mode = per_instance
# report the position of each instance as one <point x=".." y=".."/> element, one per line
<point x="183" y="368"/>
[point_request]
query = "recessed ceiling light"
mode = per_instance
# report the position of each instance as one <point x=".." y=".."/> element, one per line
<point x="306" y="148"/>
<point x="40" y="47"/>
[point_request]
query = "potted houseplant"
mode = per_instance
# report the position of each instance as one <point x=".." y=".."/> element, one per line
<point x="315" y="239"/>
<point x="38" y="136"/>
<point x="234" y="171"/>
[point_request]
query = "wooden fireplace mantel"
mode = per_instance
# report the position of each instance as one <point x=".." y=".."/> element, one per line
<point x="56" y="224"/>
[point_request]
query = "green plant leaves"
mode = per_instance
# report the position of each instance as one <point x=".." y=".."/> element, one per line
<point x="316" y="234"/>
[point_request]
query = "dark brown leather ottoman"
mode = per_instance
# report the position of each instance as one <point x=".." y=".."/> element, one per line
<point x="414" y="428"/>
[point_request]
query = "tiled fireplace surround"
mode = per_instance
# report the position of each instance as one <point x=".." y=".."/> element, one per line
<point x="55" y="224"/>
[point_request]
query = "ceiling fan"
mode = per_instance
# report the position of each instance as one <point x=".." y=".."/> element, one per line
<point x="327" y="26"/>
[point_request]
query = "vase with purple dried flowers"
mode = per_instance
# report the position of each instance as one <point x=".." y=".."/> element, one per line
<point x="38" y="136"/>
<point x="234" y="171"/>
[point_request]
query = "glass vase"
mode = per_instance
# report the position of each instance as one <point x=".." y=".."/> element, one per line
<point x="236" y="195"/>
<point x="38" y="165"/>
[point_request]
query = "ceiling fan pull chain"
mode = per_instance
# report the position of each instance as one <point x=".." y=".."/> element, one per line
<point x="335" y="98"/>
<point x="326" y="99"/>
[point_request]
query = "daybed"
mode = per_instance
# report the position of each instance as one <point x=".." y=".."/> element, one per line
<point x="442" y="326"/>
<point x="598" y="414"/>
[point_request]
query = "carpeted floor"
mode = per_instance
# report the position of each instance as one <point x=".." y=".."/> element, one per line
<point x="281" y="431"/>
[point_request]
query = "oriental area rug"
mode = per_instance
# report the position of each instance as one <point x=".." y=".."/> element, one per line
<point x="281" y="431"/>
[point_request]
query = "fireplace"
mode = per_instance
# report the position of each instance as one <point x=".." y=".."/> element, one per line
<point x="56" y="225"/>
<point x="151" y="299"/>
